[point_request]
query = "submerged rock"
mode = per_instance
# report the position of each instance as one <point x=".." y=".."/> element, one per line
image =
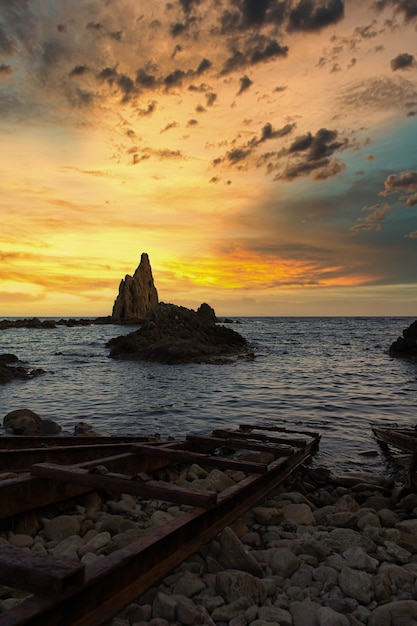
<point x="174" y="334"/>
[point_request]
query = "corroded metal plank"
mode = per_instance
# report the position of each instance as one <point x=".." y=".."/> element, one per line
<point x="279" y="429"/>
<point x="16" y="442"/>
<point x="186" y="456"/>
<point x="121" y="483"/>
<point x="207" y="442"/>
<point x="36" y="573"/>
<point x="21" y="460"/>
<point x="113" y="582"/>
<point x="18" y="495"/>
<point x="299" y="443"/>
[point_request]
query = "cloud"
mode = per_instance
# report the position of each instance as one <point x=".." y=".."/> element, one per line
<point x="243" y="152"/>
<point x="407" y="8"/>
<point x="403" y="61"/>
<point x="245" y="83"/>
<point x="5" y="70"/>
<point x="310" y="154"/>
<point x="406" y="181"/>
<point x="308" y="16"/>
<point x="382" y="93"/>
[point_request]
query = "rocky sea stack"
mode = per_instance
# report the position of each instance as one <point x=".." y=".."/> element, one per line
<point x="174" y="334"/>
<point x="137" y="294"/>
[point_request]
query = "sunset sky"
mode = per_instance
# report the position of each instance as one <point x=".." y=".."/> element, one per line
<point x="262" y="152"/>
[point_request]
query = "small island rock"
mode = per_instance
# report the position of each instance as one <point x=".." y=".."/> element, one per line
<point x="174" y="334"/>
<point x="137" y="294"/>
<point x="406" y="345"/>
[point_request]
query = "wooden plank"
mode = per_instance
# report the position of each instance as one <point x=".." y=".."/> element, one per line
<point x="36" y="573"/>
<point x="186" y="456"/>
<point x="120" y="483"/>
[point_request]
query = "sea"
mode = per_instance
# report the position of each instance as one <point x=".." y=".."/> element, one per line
<point x="330" y="375"/>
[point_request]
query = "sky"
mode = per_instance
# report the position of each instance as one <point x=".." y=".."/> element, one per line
<point x="261" y="152"/>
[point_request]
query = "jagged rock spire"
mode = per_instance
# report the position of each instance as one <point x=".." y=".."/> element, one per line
<point x="137" y="294"/>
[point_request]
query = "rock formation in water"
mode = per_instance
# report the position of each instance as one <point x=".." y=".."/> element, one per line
<point x="12" y="369"/>
<point x="407" y="344"/>
<point x="137" y="294"/>
<point x="174" y="334"/>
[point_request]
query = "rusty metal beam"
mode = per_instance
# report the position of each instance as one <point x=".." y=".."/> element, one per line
<point x="36" y="573"/>
<point x="186" y="456"/>
<point x="121" y="483"/>
<point x="111" y="583"/>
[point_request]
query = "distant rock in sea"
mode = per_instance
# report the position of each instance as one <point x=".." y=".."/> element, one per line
<point x="137" y="294"/>
<point x="174" y="334"/>
<point x="406" y="345"/>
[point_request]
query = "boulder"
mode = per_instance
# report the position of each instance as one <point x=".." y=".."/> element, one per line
<point x="27" y="422"/>
<point x="174" y="334"/>
<point x="137" y="294"/>
<point x="406" y="345"/>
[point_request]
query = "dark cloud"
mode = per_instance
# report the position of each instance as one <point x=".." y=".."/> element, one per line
<point x="256" y="49"/>
<point x="79" y="98"/>
<point x="242" y="153"/>
<point x="310" y="155"/>
<point x="174" y="79"/>
<point x="78" y="70"/>
<point x="188" y="5"/>
<point x="408" y="8"/>
<point x="177" y="29"/>
<point x="5" y="70"/>
<point x="148" y="81"/>
<point x="6" y="43"/>
<point x="403" y="62"/>
<point x="94" y="26"/>
<point x="405" y="182"/>
<point x="237" y="155"/>
<point x="309" y="16"/>
<point x="254" y="11"/>
<point x="245" y="83"/>
<point x="203" y="67"/>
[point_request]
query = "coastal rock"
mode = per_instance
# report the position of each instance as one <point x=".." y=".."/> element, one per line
<point x="11" y="370"/>
<point x="406" y="345"/>
<point x="137" y="294"/>
<point x="27" y="422"/>
<point x="174" y="334"/>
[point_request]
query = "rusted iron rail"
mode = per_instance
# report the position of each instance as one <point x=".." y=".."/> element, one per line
<point x="109" y="584"/>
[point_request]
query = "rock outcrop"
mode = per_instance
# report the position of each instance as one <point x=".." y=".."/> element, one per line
<point x="137" y="294"/>
<point x="27" y="422"/>
<point x="174" y="334"/>
<point x="406" y="345"/>
<point x="11" y="370"/>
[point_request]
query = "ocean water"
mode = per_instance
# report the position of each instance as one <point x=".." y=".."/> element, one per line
<point x="328" y="375"/>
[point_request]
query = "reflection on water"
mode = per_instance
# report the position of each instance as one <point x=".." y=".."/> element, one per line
<point x="333" y="375"/>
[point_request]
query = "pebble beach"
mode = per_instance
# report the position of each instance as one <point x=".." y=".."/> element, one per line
<point x="320" y="550"/>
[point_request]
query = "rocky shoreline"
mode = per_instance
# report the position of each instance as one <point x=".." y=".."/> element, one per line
<point x="320" y="550"/>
